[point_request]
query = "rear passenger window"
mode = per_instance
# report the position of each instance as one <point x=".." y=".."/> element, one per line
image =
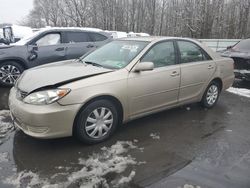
<point x="97" y="37"/>
<point x="190" y="52"/>
<point x="75" y="37"/>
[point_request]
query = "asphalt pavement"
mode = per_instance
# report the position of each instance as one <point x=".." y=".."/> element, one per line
<point x="183" y="147"/>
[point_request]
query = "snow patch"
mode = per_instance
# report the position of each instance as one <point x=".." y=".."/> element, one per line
<point x="135" y="140"/>
<point x="4" y="157"/>
<point x="190" y="186"/>
<point x="5" y="126"/>
<point x="93" y="171"/>
<point x="155" y="136"/>
<point x="97" y="166"/>
<point x="240" y="91"/>
<point x="25" y="179"/>
<point x="128" y="179"/>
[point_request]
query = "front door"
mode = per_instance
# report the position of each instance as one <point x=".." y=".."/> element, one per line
<point x="48" y="49"/>
<point x="152" y="90"/>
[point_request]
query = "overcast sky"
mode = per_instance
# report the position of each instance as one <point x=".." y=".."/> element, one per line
<point x="12" y="11"/>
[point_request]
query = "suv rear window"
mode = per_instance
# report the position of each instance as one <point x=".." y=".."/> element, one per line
<point x="75" y="37"/>
<point x="97" y="37"/>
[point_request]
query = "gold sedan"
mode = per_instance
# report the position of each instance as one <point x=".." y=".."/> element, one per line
<point x="121" y="81"/>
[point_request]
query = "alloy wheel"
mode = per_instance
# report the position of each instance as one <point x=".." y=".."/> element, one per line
<point x="9" y="74"/>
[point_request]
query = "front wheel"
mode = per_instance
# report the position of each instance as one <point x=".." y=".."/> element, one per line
<point x="10" y="72"/>
<point x="211" y="95"/>
<point x="96" y="122"/>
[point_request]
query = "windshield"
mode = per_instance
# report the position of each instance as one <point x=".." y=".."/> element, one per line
<point x="116" y="54"/>
<point x="243" y="45"/>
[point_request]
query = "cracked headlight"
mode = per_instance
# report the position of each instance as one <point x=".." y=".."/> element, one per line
<point x="46" y="97"/>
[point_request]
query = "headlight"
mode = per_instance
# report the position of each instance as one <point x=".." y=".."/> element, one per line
<point x="46" y="97"/>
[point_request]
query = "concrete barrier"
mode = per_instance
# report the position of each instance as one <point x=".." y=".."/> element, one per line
<point x="219" y="44"/>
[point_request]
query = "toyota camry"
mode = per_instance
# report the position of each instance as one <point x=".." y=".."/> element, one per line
<point x="121" y="81"/>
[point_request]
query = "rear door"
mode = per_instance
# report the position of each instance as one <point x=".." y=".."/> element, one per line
<point x="49" y="48"/>
<point x="197" y="68"/>
<point x="77" y="43"/>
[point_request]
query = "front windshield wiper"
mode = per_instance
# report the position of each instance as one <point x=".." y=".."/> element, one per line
<point x="90" y="63"/>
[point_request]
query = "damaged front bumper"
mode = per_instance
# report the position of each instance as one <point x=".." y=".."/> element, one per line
<point x="42" y="121"/>
<point x="242" y="74"/>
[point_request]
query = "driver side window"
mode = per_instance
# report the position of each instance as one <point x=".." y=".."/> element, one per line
<point x="49" y="39"/>
<point x="162" y="54"/>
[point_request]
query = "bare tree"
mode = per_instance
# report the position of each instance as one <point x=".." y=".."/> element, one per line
<point x="189" y="18"/>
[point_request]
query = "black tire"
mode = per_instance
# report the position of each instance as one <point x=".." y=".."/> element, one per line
<point x="81" y="121"/>
<point x="205" y="102"/>
<point x="17" y="70"/>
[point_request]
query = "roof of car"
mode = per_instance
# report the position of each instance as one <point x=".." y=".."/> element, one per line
<point x="154" y="38"/>
<point x="71" y="29"/>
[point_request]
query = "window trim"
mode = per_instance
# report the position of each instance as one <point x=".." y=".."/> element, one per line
<point x="201" y="49"/>
<point x="175" y="52"/>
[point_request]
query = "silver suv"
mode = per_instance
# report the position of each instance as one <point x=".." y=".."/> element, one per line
<point x="46" y="46"/>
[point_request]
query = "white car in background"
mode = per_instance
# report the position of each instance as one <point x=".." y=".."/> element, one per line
<point x="132" y="34"/>
<point x="117" y="34"/>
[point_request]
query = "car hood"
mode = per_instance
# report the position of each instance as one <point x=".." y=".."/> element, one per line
<point x="56" y="74"/>
<point x="6" y="46"/>
<point x="229" y="53"/>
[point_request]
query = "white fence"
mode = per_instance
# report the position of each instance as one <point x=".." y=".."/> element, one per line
<point x="219" y="44"/>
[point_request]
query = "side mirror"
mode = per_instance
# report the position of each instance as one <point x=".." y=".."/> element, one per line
<point x="33" y="47"/>
<point x="144" y="66"/>
<point x="229" y="47"/>
<point x="32" y="52"/>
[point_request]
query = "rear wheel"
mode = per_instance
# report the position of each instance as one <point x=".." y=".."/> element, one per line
<point x="10" y="72"/>
<point x="96" y="122"/>
<point x="211" y="95"/>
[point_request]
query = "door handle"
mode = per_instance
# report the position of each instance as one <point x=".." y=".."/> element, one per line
<point x="175" y="73"/>
<point x="90" y="46"/>
<point x="210" y="67"/>
<point x="60" y="49"/>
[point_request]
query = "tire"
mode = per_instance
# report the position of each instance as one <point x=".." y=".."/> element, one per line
<point x="10" y="72"/>
<point x="89" y="127"/>
<point x="211" y="95"/>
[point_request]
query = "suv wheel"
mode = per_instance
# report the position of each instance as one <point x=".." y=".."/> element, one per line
<point x="97" y="122"/>
<point x="211" y="95"/>
<point x="10" y="72"/>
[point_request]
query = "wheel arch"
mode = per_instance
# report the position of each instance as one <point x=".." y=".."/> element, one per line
<point x="18" y="60"/>
<point x="219" y="81"/>
<point x="110" y="98"/>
